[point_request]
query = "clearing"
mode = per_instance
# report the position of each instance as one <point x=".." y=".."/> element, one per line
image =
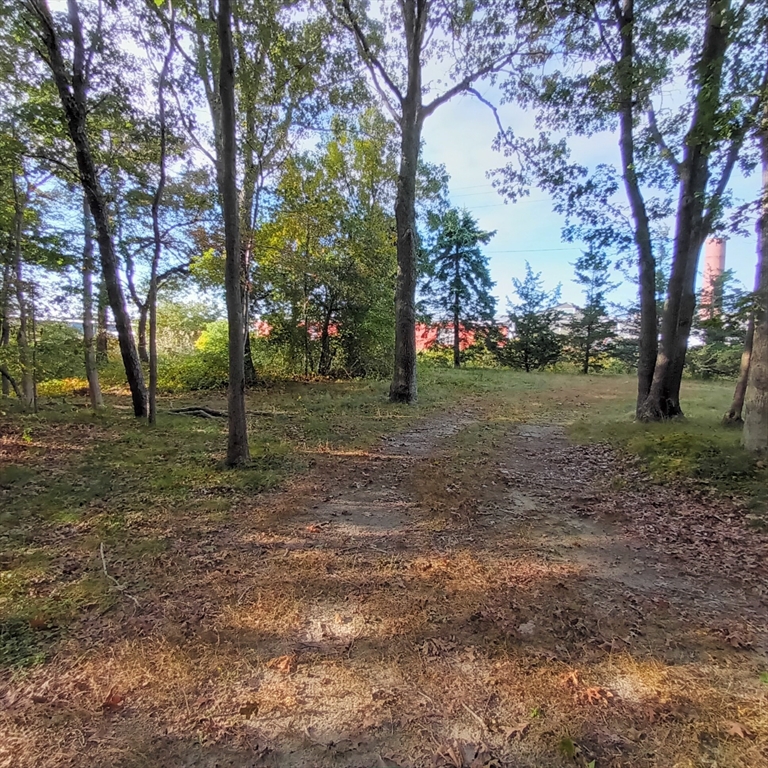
<point x="460" y="584"/>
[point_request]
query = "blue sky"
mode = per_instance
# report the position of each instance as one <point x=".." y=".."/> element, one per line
<point x="460" y="134"/>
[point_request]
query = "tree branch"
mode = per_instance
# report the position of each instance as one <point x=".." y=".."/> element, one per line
<point x="370" y="58"/>
<point x="666" y="152"/>
<point x="464" y="85"/>
<point x="7" y="376"/>
<point x="733" y="153"/>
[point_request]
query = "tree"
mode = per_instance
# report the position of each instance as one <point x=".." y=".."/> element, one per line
<point x="72" y="83"/>
<point x="755" y="434"/>
<point x="535" y="343"/>
<point x="327" y="265"/>
<point x="619" y="58"/>
<point x="458" y="282"/>
<point x="591" y="330"/>
<point x="237" y="445"/>
<point x="472" y="42"/>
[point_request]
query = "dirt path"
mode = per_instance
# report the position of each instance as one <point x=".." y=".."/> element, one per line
<point x="471" y="593"/>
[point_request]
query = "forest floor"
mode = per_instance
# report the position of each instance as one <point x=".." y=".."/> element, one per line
<point x="457" y="585"/>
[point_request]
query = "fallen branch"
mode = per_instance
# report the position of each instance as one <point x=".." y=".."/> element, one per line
<point x="7" y="376"/>
<point x="199" y="410"/>
<point x="120" y="587"/>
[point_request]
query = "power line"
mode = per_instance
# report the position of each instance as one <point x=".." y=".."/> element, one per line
<point x="533" y="250"/>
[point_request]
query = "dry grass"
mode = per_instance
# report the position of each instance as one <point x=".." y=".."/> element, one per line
<point x="441" y="601"/>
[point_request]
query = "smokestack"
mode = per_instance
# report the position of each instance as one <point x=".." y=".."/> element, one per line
<point x="714" y="266"/>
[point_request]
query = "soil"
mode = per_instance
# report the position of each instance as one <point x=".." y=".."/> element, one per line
<point x="469" y="593"/>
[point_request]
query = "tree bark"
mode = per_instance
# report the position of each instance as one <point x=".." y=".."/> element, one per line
<point x="143" y="323"/>
<point x="456" y="337"/>
<point x="734" y="415"/>
<point x="91" y="368"/>
<point x="22" y="335"/>
<point x="755" y="434"/>
<point x="157" y="240"/>
<point x="72" y="92"/>
<point x="663" y="399"/>
<point x="5" y="325"/>
<point x="403" y="388"/>
<point x="642" y="229"/>
<point x="102" y="321"/>
<point x="237" y="446"/>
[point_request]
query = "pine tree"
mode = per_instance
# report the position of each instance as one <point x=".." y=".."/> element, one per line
<point x="591" y="331"/>
<point x="536" y="343"/>
<point x="458" y="284"/>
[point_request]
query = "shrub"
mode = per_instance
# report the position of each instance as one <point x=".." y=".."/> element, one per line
<point x="714" y="361"/>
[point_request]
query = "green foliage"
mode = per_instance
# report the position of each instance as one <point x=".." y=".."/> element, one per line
<point x="591" y="331"/>
<point x="327" y="258"/>
<point x="535" y="343"/>
<point x="457" y="284"/>
<point x="716" y="360"/>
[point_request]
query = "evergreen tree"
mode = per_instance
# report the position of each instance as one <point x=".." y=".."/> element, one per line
<point x="591" y="331"/>
<point x="536" y="343"/>
<point x="458" y="284"/>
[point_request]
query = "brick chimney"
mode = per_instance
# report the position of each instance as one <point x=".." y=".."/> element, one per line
<point x="714" y="266"/>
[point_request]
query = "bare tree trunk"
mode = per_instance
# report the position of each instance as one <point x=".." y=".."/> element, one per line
<point x="91" y="368"/>
<point x="143" y="322"/>
<point x="102" y="321"/>
<point x="237" y="446"/>
<point x="157" y="200"/>
<point x="642" y="230"/>
<point x="5" y="325"/>
<point x="251" y="378"/>
<point x="755" y="434"/>
<point x="403" y="387"/>
<point x="72" y="92"/>
<point x="326" y="353"/>
<point x="456" y="337"/>
<point x="23" y="333"/>
<point x="734" y="415"/>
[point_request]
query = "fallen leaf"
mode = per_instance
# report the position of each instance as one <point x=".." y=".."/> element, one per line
<point x="594" y="695"/>
<point x="738" y="730"/>
<point x="249" y="708"/>
<point x="283" y="663"/>
<point x="516" y="731"/>
<point x="114" y="700"/>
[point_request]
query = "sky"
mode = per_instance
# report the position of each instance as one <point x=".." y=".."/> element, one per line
<point x="460" y="134"/>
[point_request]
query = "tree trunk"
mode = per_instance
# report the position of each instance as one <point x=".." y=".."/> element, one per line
<point x="143" y="322"/>
<point x="663" y="399"/>
<point x="91" y="368"/>
<point x="456" y="338"/>
<point x="403" y="387"/>
<point x="734" y="415"/>
<point x="755" y="434"/>
<point x="251" y="377"/>
<point x="72" y="92"/>
<point x="642" y="230"/>
<point x="5" y="325"/>
<point x="237" y="446"/>
<point x="157" y="240"/>
<point x="22" y="335"/>
<point x="326" y="354"/>
<point x="102" y="321"/>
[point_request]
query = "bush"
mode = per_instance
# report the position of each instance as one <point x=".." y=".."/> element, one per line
<point x="714" y="361"/>
<point x="436" y="357"/>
